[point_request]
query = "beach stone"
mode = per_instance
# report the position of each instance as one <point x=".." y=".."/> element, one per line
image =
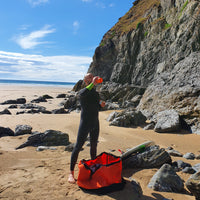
<point x="152" y="157"/>
<point x="136" y="187"/>
<point x="180" y="165"/>
<point x="175" y="153"/>
<point x="166" y="180"/>
<point x="17" y="101"/>
<point x="61" y="96"/>
<point x="22" y="130"/>
<point x="60" y="111"/>
<point x="48" y="138"/>
<point x="189" y="170"/>
<point x="198" y="157"/>
<point x="46" y="96"/>
<point x="39" y="99"/>
<point x="167" y="121"/>
<point x="193" y="185"/>
<point x="5" y="112"/>
<point x="12" y="106"/>
<point x="71" y="102"/>
<point x="6" y="132"/>
<point x="189" y="156"/>
<point x="20" y="112"/>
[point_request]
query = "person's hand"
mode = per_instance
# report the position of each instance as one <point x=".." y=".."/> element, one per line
<point x="102" y="103"/>
<point x="94" y="80"/>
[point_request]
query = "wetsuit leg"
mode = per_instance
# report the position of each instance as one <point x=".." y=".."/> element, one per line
<point x="94" y="135"/>
<point x="81" y="138"/>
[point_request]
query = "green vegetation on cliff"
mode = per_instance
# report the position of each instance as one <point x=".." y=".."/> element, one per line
<point x="134" y="16"/>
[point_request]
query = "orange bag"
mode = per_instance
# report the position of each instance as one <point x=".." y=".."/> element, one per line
<point x="105" y="170"/>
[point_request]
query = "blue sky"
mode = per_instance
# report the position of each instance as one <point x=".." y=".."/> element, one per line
<point x="53" y="40"/>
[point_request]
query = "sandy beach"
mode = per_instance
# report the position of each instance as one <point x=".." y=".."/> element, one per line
<point x="32" y="175"/>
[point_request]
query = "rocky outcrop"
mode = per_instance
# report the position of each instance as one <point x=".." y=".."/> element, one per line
<point x="166" y="180"/>
<point x="154" y="51"/>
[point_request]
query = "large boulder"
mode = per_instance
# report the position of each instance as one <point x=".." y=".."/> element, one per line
<point x="166" y="180"/>
<point x="128" y="118"/>
<point x="167" y="121"/>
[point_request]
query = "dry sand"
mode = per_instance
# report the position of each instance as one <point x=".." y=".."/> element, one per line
<point x="28" y="174"/>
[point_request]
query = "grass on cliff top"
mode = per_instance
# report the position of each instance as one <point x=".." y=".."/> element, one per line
<point x="134" y="16"/>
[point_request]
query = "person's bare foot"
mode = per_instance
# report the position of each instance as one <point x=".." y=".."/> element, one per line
<point x="71" y="178"/>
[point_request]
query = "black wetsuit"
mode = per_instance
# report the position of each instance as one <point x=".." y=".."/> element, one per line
<point x="89" y="123"/>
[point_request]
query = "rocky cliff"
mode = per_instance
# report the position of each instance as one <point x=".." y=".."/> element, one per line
<point x="152" y="57"/>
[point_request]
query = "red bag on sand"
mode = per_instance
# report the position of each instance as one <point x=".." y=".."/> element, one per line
<point x="105" y="170"/>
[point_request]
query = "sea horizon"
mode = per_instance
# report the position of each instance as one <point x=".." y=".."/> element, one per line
<point x="36" y="83"/>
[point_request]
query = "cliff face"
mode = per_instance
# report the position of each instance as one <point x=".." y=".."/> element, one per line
<point x="156" y="46"/>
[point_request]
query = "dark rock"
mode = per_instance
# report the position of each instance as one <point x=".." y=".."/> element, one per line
<point x="198" y="157"/>
<point x="17" y="101"/>
<point x="46" y="96"/>
<point x="39" y="99"/>
<point x="60" y="111"/>
<point x="180" y="165"/>
<point x="189" y="156"/>
<point x="12" y="106"/>
<point x="48" y="138"/>
<point x="21" y="112"/>
<point x="175" y="153"/>
<point x="189" y="170"/>
<point x="78" y="86"/>
<point x="152" y="157"/>
<point x="23" y="129"/>
<point x="193" y="185"/>
<point x="5" y="112"/>
<point x="61" y="96"/>
<point x="136" y="187"/>
<point x="166" y="180"/>
<point x="71" y="102"/>
<point x="6" y="132"/>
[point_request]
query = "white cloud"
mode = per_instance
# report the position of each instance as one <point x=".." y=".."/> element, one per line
<point x="33" y="39"/>
<point x="37" y="2"/>
<point x="47" y="68"/>
<point x="76" y="26"/>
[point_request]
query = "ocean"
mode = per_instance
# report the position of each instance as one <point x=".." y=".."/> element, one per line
<point x="36" y="83"/>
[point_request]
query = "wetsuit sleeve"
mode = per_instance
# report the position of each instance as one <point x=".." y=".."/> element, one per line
<point x="90" y="86"/>
<point x="84" y="92"/>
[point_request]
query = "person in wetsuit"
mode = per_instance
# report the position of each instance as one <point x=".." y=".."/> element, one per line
<point x="89" y="122"/>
